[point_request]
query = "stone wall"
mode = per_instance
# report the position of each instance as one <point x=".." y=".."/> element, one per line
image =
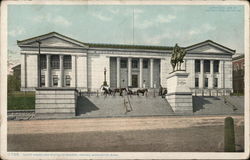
<point x="31" y="70"/>
<point x="81" y="72"/>
<point x="96" y="64"/>
<point x="55" y="102"/>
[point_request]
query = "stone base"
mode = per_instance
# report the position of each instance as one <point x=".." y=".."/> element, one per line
<point x="55" y="102"/>
<point x="179" y="95"/>
<point x="181" y="103"/>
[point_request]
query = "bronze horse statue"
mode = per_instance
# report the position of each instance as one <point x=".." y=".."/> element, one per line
<point x="177" y="57"/>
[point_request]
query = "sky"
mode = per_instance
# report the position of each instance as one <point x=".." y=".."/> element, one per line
<point x="162" y="25"/>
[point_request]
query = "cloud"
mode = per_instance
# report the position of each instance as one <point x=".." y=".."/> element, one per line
<point x="203" y="29"/>
<point x="57" y="20"/>
<point x="62" y="21"/>
<point x="114" y="10"/>
<point x="171" y="35"/>
<point x="159" y="19"/>
<point x="101" y="17"/>
<point x="158" y="38"/>
<point x="138" y="11"/>
<point x="16" y="31"/>
<point x="165" y="19"/>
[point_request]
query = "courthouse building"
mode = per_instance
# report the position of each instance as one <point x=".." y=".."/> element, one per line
<point x="65" y="62"/>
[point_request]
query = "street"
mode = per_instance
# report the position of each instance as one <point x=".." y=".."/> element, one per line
<point x="128" y="134"/>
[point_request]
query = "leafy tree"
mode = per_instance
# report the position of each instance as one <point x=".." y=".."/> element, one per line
<point x="14" y="83"/>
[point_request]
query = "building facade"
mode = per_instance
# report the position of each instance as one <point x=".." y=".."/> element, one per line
<point x="65" y="62"/>
<point x="238" y="74"/>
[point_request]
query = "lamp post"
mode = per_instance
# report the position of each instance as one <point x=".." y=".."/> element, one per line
<point x="39" y="67"/>
<point x="105" y="82"/>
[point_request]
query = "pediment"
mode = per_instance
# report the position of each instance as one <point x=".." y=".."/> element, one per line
<point x="52" y="40"/>
<point x="55" y="42"/>
<point x="209" y="47"/>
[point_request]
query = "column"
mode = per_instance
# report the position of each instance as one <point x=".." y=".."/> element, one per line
<point x="129" y="72"/>
<point x="76" y="75"/>
<point x="141" y="81"/>
<point x="73" y="74"/>
<point x="212" y="73"/>
<point x="61" y="72"/>
<point x="222" y="77"/>
<point x="48" y="79"/>
<point x="23" y="71"/>
<point x="118" y="72"/>
<point x="151" y="73"/>
<point x="202" y="74"/>
<point x="38" y="71"/>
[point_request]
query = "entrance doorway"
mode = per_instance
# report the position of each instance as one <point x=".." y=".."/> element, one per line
<point x="135" y="81"/>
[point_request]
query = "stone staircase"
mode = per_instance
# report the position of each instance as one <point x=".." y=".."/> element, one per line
<point x="218" y="105"/>
<point x="115" y="106"/>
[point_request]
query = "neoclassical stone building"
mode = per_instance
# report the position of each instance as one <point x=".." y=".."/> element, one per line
<point x="65" y="62"/>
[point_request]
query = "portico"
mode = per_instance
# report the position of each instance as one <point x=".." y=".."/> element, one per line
<point x="137" y="72"/>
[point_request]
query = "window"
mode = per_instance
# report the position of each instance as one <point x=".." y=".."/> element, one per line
<point x="197" y="66"/>
<point x="215" y="82"/>
<point x="206" y="82"/>
<point x="43" y="61"/>
<point x="134" y="63"/>
<point x="123" y="63"/>
<point x="196" y="82"/>
<point x="55" y="80"/>
<point x="67" y="62"/>
<point x="67" y="80"/>
<point x="207" y="66"/>
<point x="216" y="66"/>
<point x="145" y="63"/>
<point x="42" y="80"/>
<point x="55" y="62"/>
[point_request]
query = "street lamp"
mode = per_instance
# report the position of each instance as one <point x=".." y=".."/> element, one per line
<point x="105" y="82"/>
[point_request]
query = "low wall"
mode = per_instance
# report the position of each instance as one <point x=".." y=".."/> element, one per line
<point x="55" y="102"/>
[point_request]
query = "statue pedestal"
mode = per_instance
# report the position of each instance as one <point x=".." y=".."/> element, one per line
<point x="179" y="95"/>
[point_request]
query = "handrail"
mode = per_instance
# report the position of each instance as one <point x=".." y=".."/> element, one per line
<point x="226" y="101"/>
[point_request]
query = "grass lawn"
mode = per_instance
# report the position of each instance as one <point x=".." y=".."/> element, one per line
<point x="21" y="100"/>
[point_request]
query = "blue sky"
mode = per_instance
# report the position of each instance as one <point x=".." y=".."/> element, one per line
<point x="162" y="25"/>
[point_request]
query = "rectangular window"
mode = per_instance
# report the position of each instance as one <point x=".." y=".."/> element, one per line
<point x="215" y="82"/>
<point x="207" y="66"/>
<point x="123" y="63"/>
<point x="206" y="82"/>
<point x="145" y="63"/>
<point x="67" y="63"/>
<point x="67" y="80"/>
<point x="196" y="82"/>
<point x="55" y="62"/>
<point x="43" y="61"/>
<point x="42" y="80"/>
<point x="55" y="80"/>
<point x="197" y="66"/>
<point x="134" y="63"/>
<point x="216" y="66"/>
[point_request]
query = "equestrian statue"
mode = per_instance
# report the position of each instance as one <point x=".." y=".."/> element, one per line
<point x="177" y="57"/>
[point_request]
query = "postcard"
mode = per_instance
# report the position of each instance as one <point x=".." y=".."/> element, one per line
<point x="124" y="79"/>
